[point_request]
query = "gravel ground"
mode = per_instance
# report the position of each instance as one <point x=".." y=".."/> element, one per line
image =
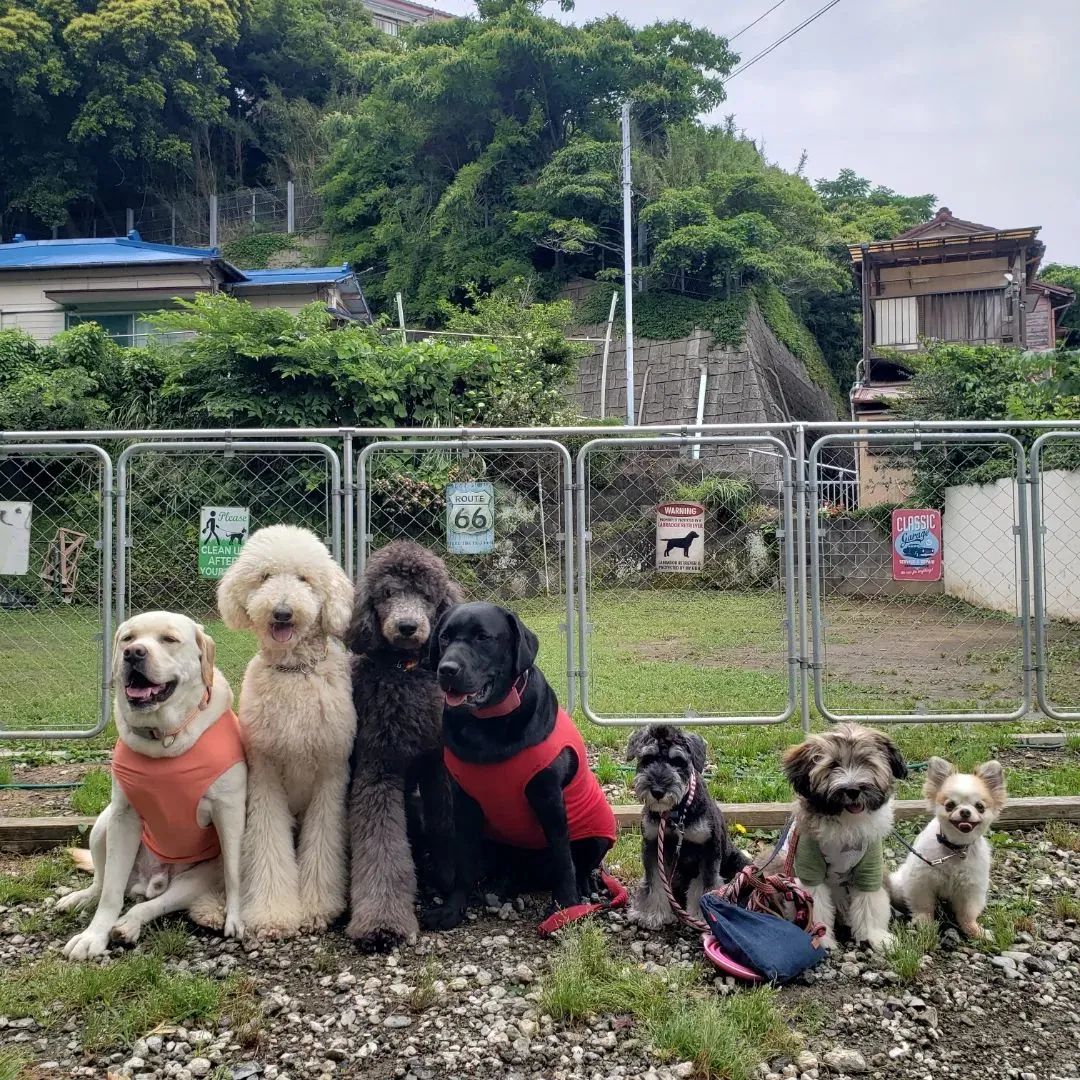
<point x="468" y="1004"/>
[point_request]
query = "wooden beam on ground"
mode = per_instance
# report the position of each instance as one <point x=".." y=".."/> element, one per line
<point x="26" y="835"/>
<point x="1018" y="813"/>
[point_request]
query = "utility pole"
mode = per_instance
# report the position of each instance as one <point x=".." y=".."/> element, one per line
<point x="628" y="262"/>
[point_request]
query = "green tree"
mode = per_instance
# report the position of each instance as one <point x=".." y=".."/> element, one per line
<point x="1069" y="276"/>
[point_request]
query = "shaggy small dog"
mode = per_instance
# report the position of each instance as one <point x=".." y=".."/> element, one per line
<point x="297" y="720"/>
<point x="844" y="780"/>
<point x="964" y="807"/>
<point x="667" y="758"/>
<point x="403" y="593"/>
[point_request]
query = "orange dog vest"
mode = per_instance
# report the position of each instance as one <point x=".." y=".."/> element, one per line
<point x="166" y="791"/>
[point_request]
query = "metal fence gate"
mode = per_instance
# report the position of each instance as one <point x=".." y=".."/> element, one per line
<point x="162" y="488"/>
<point x="698" y="619"/>
<point x="56" y="558"/>
<point x="511" y="532"/>
<point x="954" y="649"/>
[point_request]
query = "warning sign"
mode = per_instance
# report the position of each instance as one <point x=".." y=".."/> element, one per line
<point x="680" y="538"/>
<point x="916" y="548"/>
<point x="222" y="532"/>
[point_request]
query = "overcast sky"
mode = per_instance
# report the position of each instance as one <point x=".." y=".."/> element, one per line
<point x="977" y="101"/>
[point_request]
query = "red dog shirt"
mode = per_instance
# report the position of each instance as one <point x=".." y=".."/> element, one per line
<point x="499" y="788"/>
<point x="166" y="791"/>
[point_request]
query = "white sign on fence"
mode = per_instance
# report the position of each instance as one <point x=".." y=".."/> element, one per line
<point x="222" y="532"/>
<point x="15" y="537"/>
<point x="680" y="538"/>
<point x="470" y="518"/>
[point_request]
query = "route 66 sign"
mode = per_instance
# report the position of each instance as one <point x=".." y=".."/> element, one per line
<point x="470" y="518"/>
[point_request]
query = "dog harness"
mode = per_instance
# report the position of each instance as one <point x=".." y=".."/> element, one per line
<point x="499" y="788"/>
<point x="166" y="791"/>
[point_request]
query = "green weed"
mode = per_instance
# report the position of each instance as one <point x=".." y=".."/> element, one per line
<point x="36" y="881"/>
<point x="911" y="942"/>
<point x="93" y="794"/>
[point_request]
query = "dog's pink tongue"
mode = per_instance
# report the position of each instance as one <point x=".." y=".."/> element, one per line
<point x="281" y="631"/>
<point x="454" y="700"/>
<point x="141" y="693"/>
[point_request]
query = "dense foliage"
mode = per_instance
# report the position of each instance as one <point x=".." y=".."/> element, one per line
<point x="250" y="367"/>
<point x="1069" y="276"/>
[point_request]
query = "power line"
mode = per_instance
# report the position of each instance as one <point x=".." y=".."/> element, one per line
<point x="750" y="26"/>
<point x="780" y="41"/>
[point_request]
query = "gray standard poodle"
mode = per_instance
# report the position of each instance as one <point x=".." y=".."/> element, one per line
<point x="400" y="597"/>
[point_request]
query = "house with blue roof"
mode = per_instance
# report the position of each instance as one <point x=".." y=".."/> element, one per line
<point x="47" y="286"/>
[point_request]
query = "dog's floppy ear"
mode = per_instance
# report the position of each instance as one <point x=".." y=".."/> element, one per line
<point x="637" y="743"/>
<point x="117" y="653"/>
<point x="528" y="644"/>
<point x="938" y="770"/>
<point x="993" y="776"/>
<point x="434" y="649"/>
<point x="207" y="651"/>
<point x="337" y="606"/>
<point x="452" y="594"/>
<point x="363" y="633"/>
<point x="798" y="763"/>
<point x="232" y="596"/>
<point x="698" y="750"/>
<point x="896" y="759"/>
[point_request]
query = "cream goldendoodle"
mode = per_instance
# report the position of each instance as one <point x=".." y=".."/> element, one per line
<point x="297" y="720"/>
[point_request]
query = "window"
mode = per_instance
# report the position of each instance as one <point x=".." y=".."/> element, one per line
<point x="125" y="328"/>
<point x="387" y="26"/>
<point x="896" y="322"/>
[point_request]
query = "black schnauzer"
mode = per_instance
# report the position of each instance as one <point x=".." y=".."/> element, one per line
<point x="667" y="757"/>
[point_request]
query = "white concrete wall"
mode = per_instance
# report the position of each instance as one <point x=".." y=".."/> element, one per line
<point x="979" y="546"/>
<point x="1061" y="543"/>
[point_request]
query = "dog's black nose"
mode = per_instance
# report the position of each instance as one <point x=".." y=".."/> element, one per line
<point x="657" y="793"/>
<point x="282" y="613"/>
<point x="965" y="813"/>
<point x="406" y="629"/>
<point x="450" y="669"/>
<point x="135" y="652"/>
<point x="852" y="792"/>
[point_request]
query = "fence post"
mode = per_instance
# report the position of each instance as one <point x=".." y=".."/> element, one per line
<point x="172" y="229"/>
<point x="803" y="540"/>
<point x="290" y="207"/>
<point x="129" y="220"/>
<point x="213" y="221"/>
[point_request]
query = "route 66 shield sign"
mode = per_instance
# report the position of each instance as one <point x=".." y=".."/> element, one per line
<point x="470" y="518"/>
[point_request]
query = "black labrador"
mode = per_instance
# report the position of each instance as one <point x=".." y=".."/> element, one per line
<point x="537" y="817"/>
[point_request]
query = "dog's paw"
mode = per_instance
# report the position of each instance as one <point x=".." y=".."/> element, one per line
<point x="378" y="941"/>
<point x="828" y="940"/>
<point x="234" y="927"/>
<point x="976" y="932"/>
<point x="879" y="939"/>
<point x="88" y="944"/>
<point x="320" y="918"/>
<point x="652" y="918"/>
<point x="76" y="901"/>
<point x="208" y="911"/>
<point x="442" y="918"/>
<point x="127" y="931"/>
<point x="271" y="926"/>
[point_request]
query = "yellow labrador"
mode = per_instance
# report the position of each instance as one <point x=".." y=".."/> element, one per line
<point x="168" y="697"/>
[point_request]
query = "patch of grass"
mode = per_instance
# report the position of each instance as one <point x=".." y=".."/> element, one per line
<point x="6" y="775"/>
<point x="1066" y="906"/>
<point x="169" y="939"/>
<point x="911" y="942"/>
<point x="624" y="858"/>
<point x="93" y="794"/>
<point x="1062" y="835"/>
<point x="34" y="923"/>
<point x="1004" y="921"/>
<point x="325" y="963"/>
<point x="121" y="1001"/>
<point x="809" y="1015"/>
<point x="12" y="1064"/>
<point x="724" y="1037"/>
<point x="36" y="881"/>
<point x="423" y="994"/>
<point x="608" y="770"/>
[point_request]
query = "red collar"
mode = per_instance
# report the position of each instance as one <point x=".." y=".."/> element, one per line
<point x="509" y="703"/>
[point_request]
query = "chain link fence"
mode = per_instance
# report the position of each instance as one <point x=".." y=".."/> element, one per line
<point x="56" y="515"/>
<point x="497" y="511"/>
<point x="1055" y="512"/>
<point x="743" y="577"/>
<point x="185" y="509"/>
<point x="920" y="595"/>
<point x="694" y="538"/>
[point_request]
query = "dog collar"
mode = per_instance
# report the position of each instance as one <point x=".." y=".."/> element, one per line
<point x="154" y="734"/>
<point x="306" y="668"/>
<point x="410" y="663"/>
<point x="509" y="703"/>
<point x="945" y="842"/>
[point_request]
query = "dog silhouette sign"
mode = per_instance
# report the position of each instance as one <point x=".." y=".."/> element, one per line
<point x="680" y="538"/>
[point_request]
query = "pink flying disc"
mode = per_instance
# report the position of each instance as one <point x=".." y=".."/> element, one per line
<point x="717" y="956"/>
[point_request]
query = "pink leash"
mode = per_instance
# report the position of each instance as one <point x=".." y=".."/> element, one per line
<point x="665" y="877"/>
